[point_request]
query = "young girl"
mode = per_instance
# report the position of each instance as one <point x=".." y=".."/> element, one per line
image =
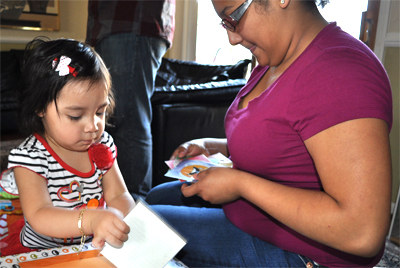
<point x="66" y="173"/>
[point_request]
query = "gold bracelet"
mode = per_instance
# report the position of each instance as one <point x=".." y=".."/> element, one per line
<point x="83" y="238"/>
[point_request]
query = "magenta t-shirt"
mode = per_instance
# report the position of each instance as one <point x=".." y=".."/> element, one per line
<point x="336" y="79"/>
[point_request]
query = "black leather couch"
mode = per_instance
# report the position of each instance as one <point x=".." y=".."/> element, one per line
<point x="190" y="101"/>
<point x="11" y="62"/>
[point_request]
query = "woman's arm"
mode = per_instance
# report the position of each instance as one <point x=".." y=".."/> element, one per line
<point x="352" y="215"/>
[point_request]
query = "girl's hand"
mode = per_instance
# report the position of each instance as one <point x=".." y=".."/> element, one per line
<point x="190" y="148"/>
<point x="108" y="226"/>
<point x="217" y="185"/>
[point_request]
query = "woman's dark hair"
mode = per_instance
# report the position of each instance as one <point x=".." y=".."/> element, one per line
<point x="313" y="3"/>
<point x="41" y="83"/>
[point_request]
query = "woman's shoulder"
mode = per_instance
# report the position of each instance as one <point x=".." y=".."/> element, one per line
<point x="336" y="55"/>
<point x="335" y="43"/>
<point x="338" y="79"/>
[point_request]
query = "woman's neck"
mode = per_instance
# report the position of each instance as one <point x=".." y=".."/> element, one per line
<point x="305" y="27"/>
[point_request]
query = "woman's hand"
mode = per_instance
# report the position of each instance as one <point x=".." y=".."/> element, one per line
<point x="190" y="148"/>
<point x="107" y="226"/>
<point x="217" y="185"/>
<point x="205" y="146"/>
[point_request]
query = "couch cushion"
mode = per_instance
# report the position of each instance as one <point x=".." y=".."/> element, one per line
<point x="178" y="72"/>
<point x="210" y="92"/>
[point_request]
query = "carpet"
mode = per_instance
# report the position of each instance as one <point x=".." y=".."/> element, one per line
<point x="391" y="256"/>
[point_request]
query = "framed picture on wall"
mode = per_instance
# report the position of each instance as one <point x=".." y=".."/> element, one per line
<point x="36" y="15"/>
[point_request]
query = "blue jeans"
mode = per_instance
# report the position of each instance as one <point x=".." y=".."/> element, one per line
<point x="213" y="241"/>
<point x="133" y="62"/>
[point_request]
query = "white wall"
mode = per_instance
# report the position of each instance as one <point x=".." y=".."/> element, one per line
<point x="184" y="44"/>
<point x="73" y="20"/>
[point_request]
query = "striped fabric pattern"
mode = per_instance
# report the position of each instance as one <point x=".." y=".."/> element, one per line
<point x="3" y="227"/>
<point x="68" y="188"/>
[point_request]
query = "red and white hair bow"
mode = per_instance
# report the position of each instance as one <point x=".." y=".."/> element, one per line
<point x="63" y="67"/>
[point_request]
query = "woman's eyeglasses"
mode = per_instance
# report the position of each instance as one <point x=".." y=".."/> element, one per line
<point x="233" y="19"/>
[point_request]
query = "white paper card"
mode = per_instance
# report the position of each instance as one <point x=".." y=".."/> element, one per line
<point x="152" y="242"/>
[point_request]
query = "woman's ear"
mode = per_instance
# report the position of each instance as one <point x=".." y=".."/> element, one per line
<point x="284" y="3"/>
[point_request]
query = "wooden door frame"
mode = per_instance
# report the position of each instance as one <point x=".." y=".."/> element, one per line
<point x="369" y="23"/>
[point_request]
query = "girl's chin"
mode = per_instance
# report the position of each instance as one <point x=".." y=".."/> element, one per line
<point x="82" y="146"/>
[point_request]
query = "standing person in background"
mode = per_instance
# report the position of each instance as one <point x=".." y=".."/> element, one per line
<point x="132" y="37"/>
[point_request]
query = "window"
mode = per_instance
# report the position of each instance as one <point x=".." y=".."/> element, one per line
<point x="212" y="44"/>
<point x="346" y="13"/>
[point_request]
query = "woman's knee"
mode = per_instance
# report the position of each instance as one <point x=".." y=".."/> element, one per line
<point x="168" y="193"/>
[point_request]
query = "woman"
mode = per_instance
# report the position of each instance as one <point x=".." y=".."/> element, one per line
<point x="309" y="139"/>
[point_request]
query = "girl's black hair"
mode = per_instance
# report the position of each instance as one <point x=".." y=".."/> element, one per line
<point x="41" y="83"/>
